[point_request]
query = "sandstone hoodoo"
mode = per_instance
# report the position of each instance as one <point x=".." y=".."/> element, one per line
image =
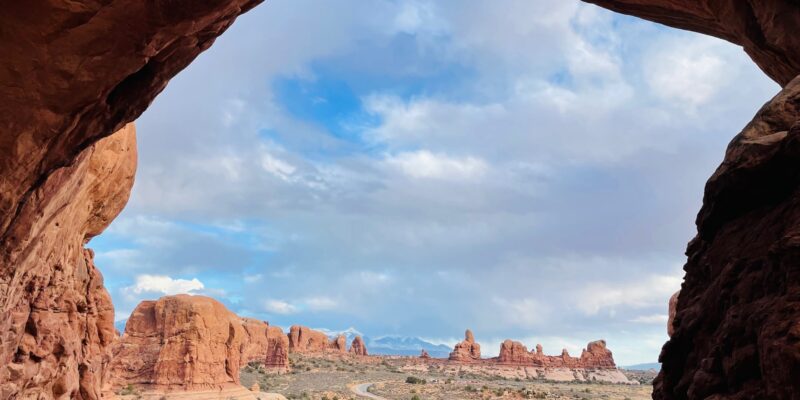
<point x="467" y="350"/>
<point x="424" y="355"/>
<point x="595" y="355"/>
<point x="357" y="347"/>
<point x="188" y="343"/>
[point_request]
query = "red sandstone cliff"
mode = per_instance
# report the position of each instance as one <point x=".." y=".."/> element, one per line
<point x="467" y="350"/>
<point x="190" y="343"/>
<point x="58" y="321"/>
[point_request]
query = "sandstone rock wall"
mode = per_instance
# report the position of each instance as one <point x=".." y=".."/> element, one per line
<point x="75" y="72"/>
<point x="467" y="350"/>
<point x="57" y="320"/>
<point x="595" y="355"/>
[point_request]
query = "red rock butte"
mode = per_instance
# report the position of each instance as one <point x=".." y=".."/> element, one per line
<point x="595" y="355"/>
<point x="186" y="343"/>
<point x="74" y="73"/>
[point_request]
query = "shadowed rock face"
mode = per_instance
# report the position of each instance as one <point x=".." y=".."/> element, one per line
<point x="73" y="73"/>
<point x="766" y="29"/>
<point x="736" y="327"/>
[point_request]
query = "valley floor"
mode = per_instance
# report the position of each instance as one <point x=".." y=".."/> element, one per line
<point x="333" y="378"/>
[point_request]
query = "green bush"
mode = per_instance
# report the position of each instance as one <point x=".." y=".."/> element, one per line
<point x="415" y="381"/>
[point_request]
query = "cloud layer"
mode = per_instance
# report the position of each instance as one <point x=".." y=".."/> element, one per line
<point x="527" y="169"/>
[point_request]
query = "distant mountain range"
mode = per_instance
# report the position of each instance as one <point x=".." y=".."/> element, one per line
<point x="405" y="346"/>
<point x="393" y="344"/>
<point x="643" y="367"/>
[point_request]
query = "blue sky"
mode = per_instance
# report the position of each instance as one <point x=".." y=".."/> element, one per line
<point x="527" y="169"/>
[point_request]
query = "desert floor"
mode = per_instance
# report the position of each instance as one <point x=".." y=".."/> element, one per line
<point x="334" y="378"/>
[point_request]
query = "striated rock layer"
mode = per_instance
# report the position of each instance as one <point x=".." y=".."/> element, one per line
<point x="190" y="343"/>
<point x="75" y="72"/>
<point x="596" y="355"/>
<point x="467" y="350"/>
<point x="57" y="320"/>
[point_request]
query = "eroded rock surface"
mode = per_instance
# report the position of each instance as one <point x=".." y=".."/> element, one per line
<point x="595" y="355"/>
<point x="73" y="73"/>
<point x="737" y="323"/>
<point x="466" y="350"/>
<point x="57" y="321"/>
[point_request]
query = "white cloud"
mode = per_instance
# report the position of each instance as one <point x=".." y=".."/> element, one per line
<point x="651" y="319"/>
<point x="424" y="164"/>
<point x="690" y="72"/>
<point x="279" y="307"/>
<point x="276" y="166"/>
<point x="321" y="303"/>
<point x="603" y="296"/>
<point x="165" y="285"/>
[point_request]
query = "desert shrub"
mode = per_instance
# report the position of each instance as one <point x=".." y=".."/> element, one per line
<point x="415" y="381"/>
<point x="415" y="397"/>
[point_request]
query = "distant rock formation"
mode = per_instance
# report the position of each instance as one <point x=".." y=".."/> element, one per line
<point x="305" y="340"/>
<point x="277" y="354"/>
<point x="358" y="347"/>
<point x="424" y="355"/>
<point x="189" y="343"/>
<point x="596" y="355"/>
<point x="339" y="344"/>
<point x="467" y="350"/>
